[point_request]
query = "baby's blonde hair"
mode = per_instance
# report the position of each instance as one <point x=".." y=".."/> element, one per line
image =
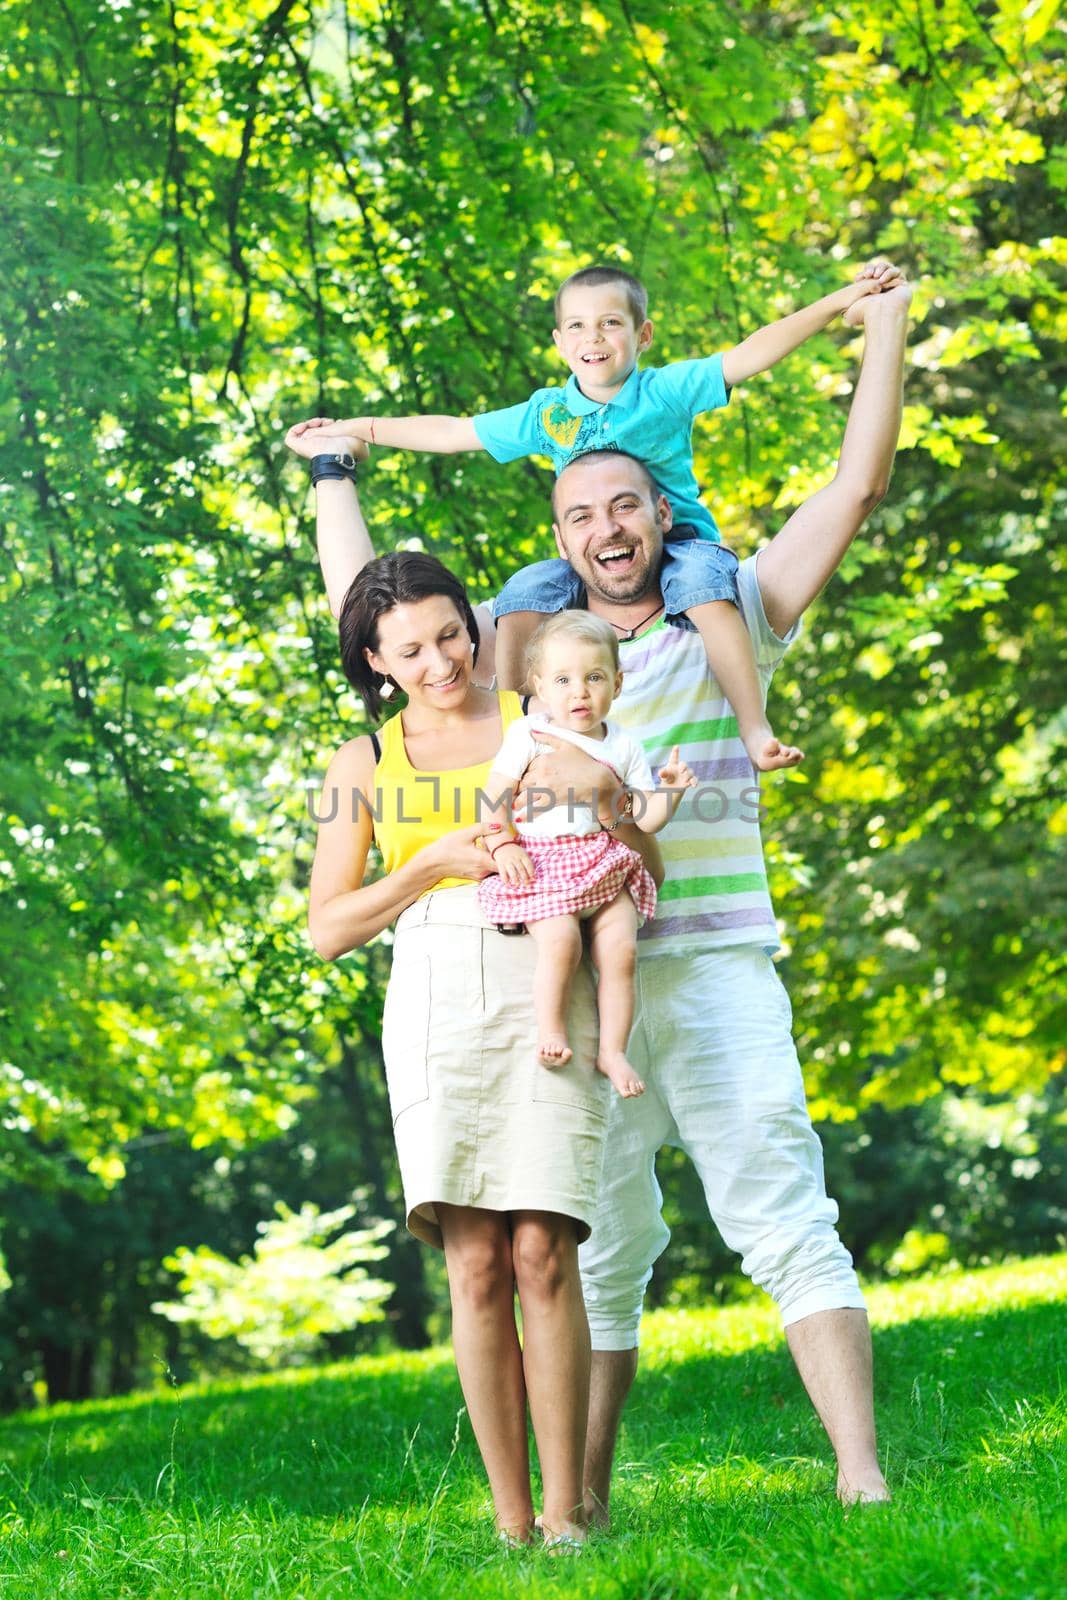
<point x="572" y="625"/>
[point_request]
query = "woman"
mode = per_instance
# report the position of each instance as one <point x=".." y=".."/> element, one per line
<point x="499" y="1158"/>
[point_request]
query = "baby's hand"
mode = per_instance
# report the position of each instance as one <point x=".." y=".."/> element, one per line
<point x="676" y="774"/>
<point x="513" y="864"/>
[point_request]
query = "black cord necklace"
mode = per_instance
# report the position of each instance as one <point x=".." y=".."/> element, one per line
<point x="626" y="634"/>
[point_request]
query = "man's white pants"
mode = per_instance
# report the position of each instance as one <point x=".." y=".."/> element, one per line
<point x="713" y="1042"/>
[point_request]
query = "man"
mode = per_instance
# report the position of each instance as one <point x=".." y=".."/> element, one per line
<point x="712" y="1037"/>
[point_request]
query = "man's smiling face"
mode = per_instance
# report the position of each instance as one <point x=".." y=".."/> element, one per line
<point x="610" y="522"/>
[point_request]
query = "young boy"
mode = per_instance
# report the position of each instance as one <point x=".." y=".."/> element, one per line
<point x="602" y="329"/>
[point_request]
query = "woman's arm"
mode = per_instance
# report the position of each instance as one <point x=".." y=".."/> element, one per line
<point x="344" y="912"/>
<point x="344" y="543"/>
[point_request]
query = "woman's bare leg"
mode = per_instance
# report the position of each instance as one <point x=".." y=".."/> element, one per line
<point x="559" y="950"/>
<point x="481" y="1282"/>
<point x="613" y="947"/>
<point x="556" y="1360"/>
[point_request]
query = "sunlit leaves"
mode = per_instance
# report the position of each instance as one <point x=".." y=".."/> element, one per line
<point x="222" y="218"/>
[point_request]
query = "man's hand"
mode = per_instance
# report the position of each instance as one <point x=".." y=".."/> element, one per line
<point x="889" y="302"/>
<point x="567" y="777"/>
<point x="512" y="863"/>
<point x="874" y="278"/>
<point x="321" y="436"/>
<point x="800" y="559"/>
<point x="881" y="272"/>
<point x="675" y="773"/>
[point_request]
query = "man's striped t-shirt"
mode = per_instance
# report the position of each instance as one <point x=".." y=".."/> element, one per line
<point x="715" y="892"/>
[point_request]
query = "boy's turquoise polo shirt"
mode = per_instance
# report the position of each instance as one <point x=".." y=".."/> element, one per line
<point x="651" y="417"/>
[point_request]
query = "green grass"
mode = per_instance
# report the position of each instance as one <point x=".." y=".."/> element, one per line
<point x="363" y="1479"/>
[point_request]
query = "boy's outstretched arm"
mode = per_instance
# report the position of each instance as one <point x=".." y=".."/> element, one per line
<point x="801" y="559"/>
<point x="767" y="346"/>
<point x="441" y="435"/>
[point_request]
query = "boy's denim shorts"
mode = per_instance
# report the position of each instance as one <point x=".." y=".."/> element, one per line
<point x="694" y="571"/>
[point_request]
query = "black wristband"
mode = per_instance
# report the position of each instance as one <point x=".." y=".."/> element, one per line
<point x="339" y="464"/>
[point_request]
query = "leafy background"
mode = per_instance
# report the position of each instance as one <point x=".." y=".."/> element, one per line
<point x="217" y="220"/>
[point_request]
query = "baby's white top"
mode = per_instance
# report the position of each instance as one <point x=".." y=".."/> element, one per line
<point x="616" y="750"/>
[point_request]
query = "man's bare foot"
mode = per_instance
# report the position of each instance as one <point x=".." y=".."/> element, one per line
<point x="597" y="1515"/>
<point x="554" y="1051"/>
<point x="767" y="753"/>
<point x="622" y="1075"/>
<point x="868" y="1489"/>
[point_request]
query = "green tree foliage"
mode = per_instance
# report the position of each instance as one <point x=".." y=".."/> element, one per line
<point x="296" y="1287"/>
<point x="218" y="219"/>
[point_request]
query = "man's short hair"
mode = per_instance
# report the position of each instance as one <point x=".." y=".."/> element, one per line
<point x="594" y="277"/>
<point x="592" y="457"/>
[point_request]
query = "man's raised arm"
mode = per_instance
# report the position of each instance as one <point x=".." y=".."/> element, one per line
<point x="343" y="541"/>
<point x="801" y="559"/>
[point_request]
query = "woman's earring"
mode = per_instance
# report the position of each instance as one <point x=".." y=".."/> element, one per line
<point x="388" y="688"/>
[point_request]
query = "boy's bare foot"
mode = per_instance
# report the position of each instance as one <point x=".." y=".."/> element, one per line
<point x="622" y="1075"/>
<point x="554" y="1051"/>
<point x="768" y="753"/>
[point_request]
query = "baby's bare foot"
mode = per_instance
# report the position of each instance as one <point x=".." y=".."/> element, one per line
<point x="768" y="754"/>
<point x="554" y="1051"/>
<point x="621" y="1074"/>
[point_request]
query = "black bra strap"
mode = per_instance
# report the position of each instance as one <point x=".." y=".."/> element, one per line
<point x="376" y="745"/>
<point x="525" y="703"/>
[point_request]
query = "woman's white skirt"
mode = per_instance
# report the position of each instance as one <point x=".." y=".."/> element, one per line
<point x="478" y="1120"/>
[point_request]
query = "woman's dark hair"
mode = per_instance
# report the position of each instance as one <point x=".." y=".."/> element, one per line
<point x="391" y="581"/>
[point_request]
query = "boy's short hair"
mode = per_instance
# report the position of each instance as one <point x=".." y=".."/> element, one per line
<point x="575" y="625"/>
<point x="594" y="277"/>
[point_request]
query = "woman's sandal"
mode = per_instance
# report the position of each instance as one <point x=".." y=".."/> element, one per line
<point x="564" y="1544"/>
<point x="511" y="1541"/>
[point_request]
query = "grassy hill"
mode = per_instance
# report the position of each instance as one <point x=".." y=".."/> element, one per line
<point x="363" y="1479"/>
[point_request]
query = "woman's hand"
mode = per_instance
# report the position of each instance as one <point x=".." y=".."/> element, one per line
<point x="566" y="777"/>
<point x="461" y="854"/>
<point x="321" y="436"/>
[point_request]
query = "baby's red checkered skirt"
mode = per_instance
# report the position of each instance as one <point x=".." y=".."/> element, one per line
<point x="570" y="875"/>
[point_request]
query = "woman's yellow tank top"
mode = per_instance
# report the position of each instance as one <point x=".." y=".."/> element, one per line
<point x="413" y="808"/>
